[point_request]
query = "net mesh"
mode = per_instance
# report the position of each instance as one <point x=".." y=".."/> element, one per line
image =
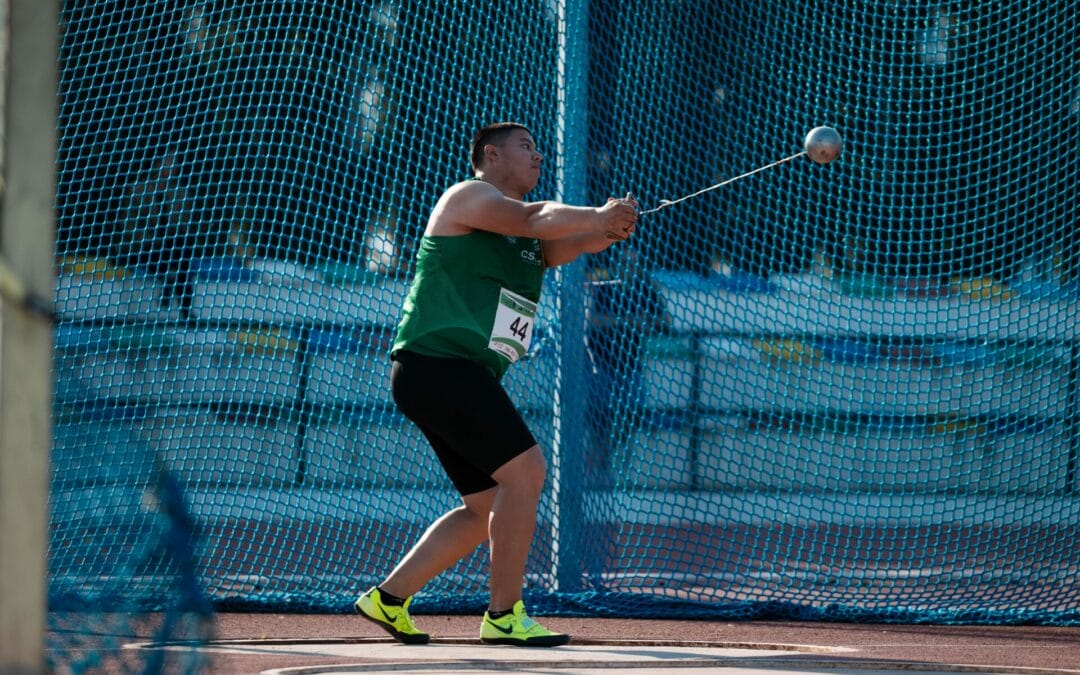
<point x="841" y="392"/>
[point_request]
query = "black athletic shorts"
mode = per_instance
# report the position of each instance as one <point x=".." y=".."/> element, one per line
<point x="465" y="414"/>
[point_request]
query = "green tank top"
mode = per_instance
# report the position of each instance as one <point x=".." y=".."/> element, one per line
<point x="474" y="296"/>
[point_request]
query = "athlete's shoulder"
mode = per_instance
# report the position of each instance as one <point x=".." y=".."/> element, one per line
<point x="464" y="194"/>
<point x="470" y="190"/>
<point x="471" y="185"/>
<point x="461" y="206"/>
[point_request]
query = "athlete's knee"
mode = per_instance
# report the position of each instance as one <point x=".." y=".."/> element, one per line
<point x="526" y="472"/>
<point x="479" y="503"/>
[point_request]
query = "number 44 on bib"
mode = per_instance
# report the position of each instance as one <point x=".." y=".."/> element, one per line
<point x="513" y="329"/>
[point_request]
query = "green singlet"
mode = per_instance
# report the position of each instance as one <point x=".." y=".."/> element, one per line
<point x="474" y="296"/>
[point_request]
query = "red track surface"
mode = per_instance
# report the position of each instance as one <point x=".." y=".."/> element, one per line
<point x="1009" y="648"/>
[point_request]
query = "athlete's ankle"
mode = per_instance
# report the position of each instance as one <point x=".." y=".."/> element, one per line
<point x="389" y="598"/>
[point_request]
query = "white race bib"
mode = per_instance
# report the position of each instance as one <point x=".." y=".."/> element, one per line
<point x="513" y="329"/>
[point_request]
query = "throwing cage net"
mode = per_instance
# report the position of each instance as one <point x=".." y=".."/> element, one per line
<point x="843" y="392"/>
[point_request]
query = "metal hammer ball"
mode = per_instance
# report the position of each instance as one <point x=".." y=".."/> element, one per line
<point x="823" y="144"/>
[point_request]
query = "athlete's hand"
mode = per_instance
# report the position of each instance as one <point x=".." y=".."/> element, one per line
<point x="620" y="217"/>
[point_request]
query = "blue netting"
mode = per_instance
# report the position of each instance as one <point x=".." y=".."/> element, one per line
<point x="841" y="392"/>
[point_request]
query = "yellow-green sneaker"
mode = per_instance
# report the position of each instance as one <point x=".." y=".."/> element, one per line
<point x="391" y="618"/>
<point x="518" y="629"/>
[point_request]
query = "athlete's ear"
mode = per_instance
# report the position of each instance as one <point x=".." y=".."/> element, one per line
<point x="491" y="151"/>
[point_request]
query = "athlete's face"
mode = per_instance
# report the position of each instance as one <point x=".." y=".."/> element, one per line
<point x="522" y="160"/>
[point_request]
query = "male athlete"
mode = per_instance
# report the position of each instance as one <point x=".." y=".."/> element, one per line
<point x="469" y="314"/>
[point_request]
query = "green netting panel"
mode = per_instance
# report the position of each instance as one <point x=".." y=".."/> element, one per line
<point x="839" y="392"/>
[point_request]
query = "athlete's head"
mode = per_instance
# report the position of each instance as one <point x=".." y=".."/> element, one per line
<point x="505" y="155"/>
<point x="496" y="135"/>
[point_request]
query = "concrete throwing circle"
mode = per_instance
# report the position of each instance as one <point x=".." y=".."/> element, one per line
<point x="449" y="656"/>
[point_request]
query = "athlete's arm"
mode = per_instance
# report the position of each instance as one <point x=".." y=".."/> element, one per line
<point x="476" y="205"/>
<point x="562" y="251"/>
<point x="566" y="250"/>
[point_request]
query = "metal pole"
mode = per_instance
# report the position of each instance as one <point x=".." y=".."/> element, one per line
<point x="27" y="234"/>
<point x="570" y="395"/>
<point x="1072" y="420"/>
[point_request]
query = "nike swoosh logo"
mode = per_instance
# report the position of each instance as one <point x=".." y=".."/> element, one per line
<point x="504" y="631"/>
<point x="390" y="618"/>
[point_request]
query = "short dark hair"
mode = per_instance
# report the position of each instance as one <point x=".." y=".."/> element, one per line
<point x="493" y="133"/>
